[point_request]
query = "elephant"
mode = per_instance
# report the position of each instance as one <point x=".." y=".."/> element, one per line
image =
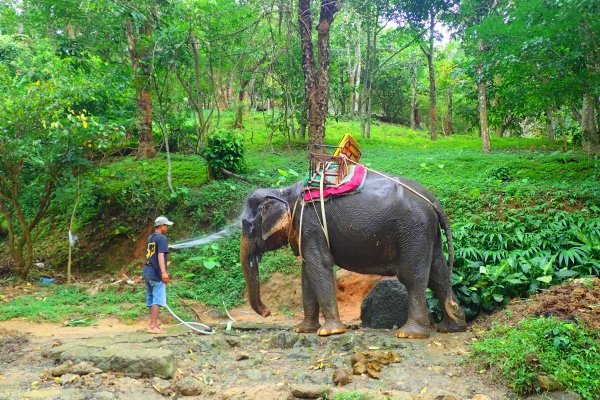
<point x="384" y="229"/>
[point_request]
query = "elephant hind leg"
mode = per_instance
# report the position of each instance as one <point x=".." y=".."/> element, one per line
<point x="417" y="325"/>
<point x="440" y="282"/>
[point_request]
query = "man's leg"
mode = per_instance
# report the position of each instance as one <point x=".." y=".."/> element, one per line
<point x="154" y="317"/>
<point x="158" y="294"/>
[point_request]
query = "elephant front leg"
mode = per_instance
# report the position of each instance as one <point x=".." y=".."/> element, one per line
<point x="311" y="306"/>
<point x="323" y="284"/>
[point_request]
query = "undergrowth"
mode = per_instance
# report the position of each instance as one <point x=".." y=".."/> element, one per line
<point x="563" y="351"/>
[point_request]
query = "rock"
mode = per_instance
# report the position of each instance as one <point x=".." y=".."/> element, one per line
<point x="547" y="382"/>
<point x="84" y="368"/>
<point x="341" y="377"/>
<point x="242" y="356"/>
<point x="481" y="397"/>
<point x="232" y="342"/>
<point x="161" y="386"/>
<point x="68" y="379"/>
<point x="62" y="369"/>
<point x="298" y="354"/>
<point x="385" y="305"/>
<point x="90" y="381"/>
<point x="127" y="385"/>
<point x="284" y="340"/>
<point x="555" y="396"/>
<point x="189" y="386"/>
<point x="104" y="396"/>
<point x="253" y="374"/>
<point x="346" y="343"/>
<point x="309" y="391"/>
<point x="144" y="362"/>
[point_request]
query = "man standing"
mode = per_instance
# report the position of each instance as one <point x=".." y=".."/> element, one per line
<point x="155" y="271"/>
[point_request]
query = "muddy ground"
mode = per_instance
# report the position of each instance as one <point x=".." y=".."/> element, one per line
<point x="266" y="359"/>
<point x="253" y="362"/>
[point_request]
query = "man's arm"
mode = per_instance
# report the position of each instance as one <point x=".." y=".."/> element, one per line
<point x="163" y="267"/>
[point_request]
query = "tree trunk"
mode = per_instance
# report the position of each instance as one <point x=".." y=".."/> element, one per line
<point x="239" y="124"/>
<point x="357" y="75"/>
<point x="429" y="53"/>
<point x="363" y="96"/>
<point x="141" y="81"/>
<point x="589" y="128"/>
<point x="448" y="121"/>
<point x="316" y="87"/>
<point x="483" y="119"/>
<point x="414" y="111"/>
<point x="549" y="124"/>
<point x="482" y="102"/>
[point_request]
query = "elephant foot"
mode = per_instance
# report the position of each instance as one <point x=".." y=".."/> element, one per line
<point x="331" y="328"/>
<point x="308" y="327"/>
<point x="413" y="330"/>
<point x="450" y="325"/>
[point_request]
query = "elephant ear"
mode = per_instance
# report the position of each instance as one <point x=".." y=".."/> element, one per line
<point x="275" y="215"/>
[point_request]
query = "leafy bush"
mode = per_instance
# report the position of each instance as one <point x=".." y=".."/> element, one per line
<point x="224" y="149"/>
<point x="543" y="346"/>
<point x="500" y="260"/>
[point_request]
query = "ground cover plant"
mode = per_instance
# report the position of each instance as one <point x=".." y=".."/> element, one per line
<point x="523" y="218"/>
<point x="542" y="354"/>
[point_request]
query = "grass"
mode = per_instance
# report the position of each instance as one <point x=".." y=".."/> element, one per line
<point x="523" y="180"/>
<point x="561" y="350"/>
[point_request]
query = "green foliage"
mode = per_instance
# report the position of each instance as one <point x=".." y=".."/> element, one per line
<point x="60" y="304"/>
<point x="351" y="396"/>
<point x="497" y="261"/>
<point x="224" y="149"/>
<point x="541" y="346"/>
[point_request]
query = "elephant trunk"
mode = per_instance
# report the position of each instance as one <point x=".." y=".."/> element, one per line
<point x="249" y="258"/>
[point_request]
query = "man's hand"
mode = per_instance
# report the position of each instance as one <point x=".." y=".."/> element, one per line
<point x="165" y="278"/>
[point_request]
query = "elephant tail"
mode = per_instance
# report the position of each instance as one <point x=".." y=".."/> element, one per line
<point x="445" y="224"/>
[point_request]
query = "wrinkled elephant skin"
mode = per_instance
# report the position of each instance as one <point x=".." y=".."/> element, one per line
<point x="385" y="230"/>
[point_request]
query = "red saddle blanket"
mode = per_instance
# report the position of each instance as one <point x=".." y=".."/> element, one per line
<point x="352" y="182"/>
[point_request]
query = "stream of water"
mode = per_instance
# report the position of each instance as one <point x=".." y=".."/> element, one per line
<point x="198" y="241"/>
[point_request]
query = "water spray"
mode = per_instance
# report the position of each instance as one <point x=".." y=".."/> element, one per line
<point x="198" y="241"/>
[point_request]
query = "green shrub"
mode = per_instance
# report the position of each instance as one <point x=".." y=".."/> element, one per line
<point x="542" y="346"/>
<point x="224" y="149"/>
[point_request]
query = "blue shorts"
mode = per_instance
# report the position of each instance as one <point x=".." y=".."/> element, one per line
<point x="156" y="293"/>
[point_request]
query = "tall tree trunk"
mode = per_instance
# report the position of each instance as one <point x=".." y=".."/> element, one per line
<point x="363" y="96"/>
<point x="358" y="66"/>
<point x="350" y="80"/>
<point x="589" y="128"/>
<point x="482" y="102"/>
<point x="448" y="121"/>
<point x="429" y="53"/>
<point x="239" y="116"/>
<point x="316" y="87"/>
<point x="141" y="81"/>
<point x="549" y="124"/>
<point x="414" y="122"/>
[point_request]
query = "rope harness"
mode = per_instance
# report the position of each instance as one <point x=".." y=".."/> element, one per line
<point x="342" y="160"/>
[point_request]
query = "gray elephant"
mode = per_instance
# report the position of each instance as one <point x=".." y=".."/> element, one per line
<point x="385" y="229"/>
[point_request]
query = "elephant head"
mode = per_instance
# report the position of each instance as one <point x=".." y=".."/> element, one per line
<point x="266" y="224"/>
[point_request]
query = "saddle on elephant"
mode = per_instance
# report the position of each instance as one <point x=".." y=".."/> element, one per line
<point x="330" y="175"/>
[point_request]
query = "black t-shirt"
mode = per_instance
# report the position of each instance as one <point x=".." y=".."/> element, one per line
<point x="156" y="243"/>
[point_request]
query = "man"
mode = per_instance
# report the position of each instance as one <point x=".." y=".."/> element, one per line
<point x="155" y="271"/>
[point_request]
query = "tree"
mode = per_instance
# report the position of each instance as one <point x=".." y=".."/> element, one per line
<point x="316" y="84"/>
<point x="46" y="139"/>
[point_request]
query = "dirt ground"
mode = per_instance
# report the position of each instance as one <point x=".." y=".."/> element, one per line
<point x="253" y="364"/>
<point x="578" y="299"/>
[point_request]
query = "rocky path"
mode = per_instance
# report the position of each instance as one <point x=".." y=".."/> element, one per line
<point x="252" y="361"/>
